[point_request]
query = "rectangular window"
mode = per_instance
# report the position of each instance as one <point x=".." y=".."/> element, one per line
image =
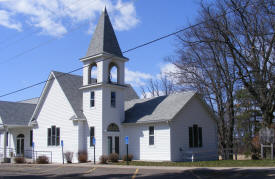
<point x="53" y="136"/>
<point x="113" y="99"/>
<point x="92" y="135"/>
<point x="31" y="137"/>
<point x="196" y="139"/>
<point x="195" y="136"/>
<point x="92" y="99"/>
<point x="151" y="135"/>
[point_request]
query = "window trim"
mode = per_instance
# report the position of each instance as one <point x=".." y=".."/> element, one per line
<point x="151" y="135"/>
<point x="113" y="127"/>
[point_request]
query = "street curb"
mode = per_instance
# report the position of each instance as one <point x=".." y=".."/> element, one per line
<point x="140" y="167"/>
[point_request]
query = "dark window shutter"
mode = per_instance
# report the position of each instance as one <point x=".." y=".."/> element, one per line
<point x="58" y="136"/>
<point x="7" y="139"/>
<point x="200" y="137"/>
<point x="31" y="137"/>
<point x="49" y="136"/>
<point x="196" y="137"/>
<point x="191" y="137"/>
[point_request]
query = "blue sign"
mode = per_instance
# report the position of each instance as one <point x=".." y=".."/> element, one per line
<point x="62" y="144"/>
<point x="94" y="141"/>
<point x="126" y="140"/>
<point x="33" y="144"/>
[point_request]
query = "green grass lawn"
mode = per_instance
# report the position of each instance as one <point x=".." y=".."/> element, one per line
<point x="218" y="163"/>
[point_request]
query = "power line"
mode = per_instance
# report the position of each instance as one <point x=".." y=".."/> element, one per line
<point x="126" y="51"/>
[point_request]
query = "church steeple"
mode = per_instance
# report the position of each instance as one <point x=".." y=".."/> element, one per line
<point x="104" y="39"/>
<point x="104" y="86"/>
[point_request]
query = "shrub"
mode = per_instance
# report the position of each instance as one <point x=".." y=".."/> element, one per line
<point x="82" y="157"/>
<point x="103" y="159"/>
<point x="42" y="160"/>
<point x="69" y="156"/>
<point x="113" y="157"/>
<point x="19" y="160"/>
<point x="130" y="157"/>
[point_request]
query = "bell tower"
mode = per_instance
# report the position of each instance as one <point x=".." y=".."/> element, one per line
<point x="103" y="88"/>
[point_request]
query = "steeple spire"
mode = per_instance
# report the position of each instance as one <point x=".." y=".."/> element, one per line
<point x="104" y="39"/>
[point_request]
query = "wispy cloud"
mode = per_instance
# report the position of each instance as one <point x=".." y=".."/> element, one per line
<point x="55" y="16"/>
<point x="136" y="78"/>
<point x="7" y="21"/>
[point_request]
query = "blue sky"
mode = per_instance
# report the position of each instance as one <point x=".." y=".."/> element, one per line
<point x="63" y="37"/>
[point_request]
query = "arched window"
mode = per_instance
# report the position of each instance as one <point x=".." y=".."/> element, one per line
<point x="20" y="136"/>
<point x="92" y="74"/>
<point x="113" y="73"/>
<point x="113" y="128"/>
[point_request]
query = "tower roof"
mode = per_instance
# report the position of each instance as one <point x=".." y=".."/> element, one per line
<point x="104" y="38"/>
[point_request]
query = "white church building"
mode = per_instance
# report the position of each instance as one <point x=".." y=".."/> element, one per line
<point x="76" y="109"/>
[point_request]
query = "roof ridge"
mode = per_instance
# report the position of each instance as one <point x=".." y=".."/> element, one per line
<point x="54" y="71"/>
<point x="14" y="102"/>
<point x="177" y="93"/>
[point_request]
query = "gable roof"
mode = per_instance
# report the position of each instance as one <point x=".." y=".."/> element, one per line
<point x="158" y="109"/>
<point x="104" y="39"/>
<point x="70" y="85"/>
<point x="14" y="113"/>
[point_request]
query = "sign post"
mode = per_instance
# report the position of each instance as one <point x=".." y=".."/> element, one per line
<point x="127" y="142"/>
<point x="33" y="152"/>
<point x="62" y="144"/>
<point x="94" y="148"/>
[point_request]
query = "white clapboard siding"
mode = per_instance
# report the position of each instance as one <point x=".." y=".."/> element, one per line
<point x="94" y="119"/>
<point x="57" y="111"/>
<point x="139" y="142"/>
<point x="1" y="140"/>
<point x="194" y="113"/>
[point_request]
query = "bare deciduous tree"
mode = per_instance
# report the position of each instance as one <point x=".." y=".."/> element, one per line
<point x="158" y="87"/>
<point x="247" y="34"/>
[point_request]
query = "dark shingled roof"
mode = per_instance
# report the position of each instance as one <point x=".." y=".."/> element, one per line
<point x="13" y="113"/>
<point x="104" y="38"/>
<point x="158" y="109"/>
<point x="70" y="85"/>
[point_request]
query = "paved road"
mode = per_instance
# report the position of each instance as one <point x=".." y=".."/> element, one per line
<point x="111" y="172"/>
